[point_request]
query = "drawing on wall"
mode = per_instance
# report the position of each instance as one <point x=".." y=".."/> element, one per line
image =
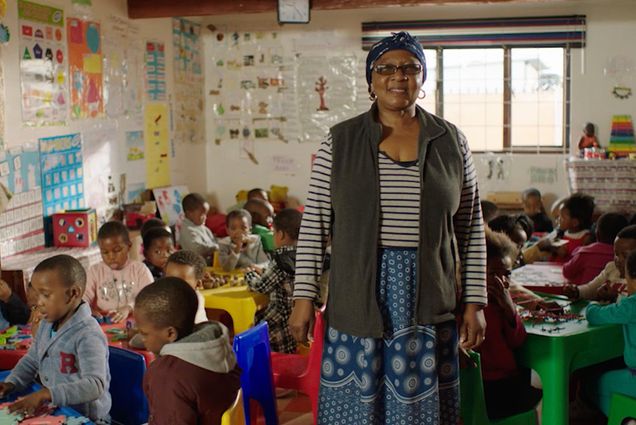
<point x="85" y="67"/>
<point x="188" y="78"/>
<point x="169" y="202"/>
<point x="155" y="63"/>
<point x="157" y="145"/>
<point x="61" y="164"/>
<point x="134" y="145"/>
<point x="123" y="68"/>
<point x="42" y="51"/>
<point x="20" y="169"/>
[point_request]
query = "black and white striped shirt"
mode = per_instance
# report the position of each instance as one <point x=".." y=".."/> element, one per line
<point x="400" y="209"/>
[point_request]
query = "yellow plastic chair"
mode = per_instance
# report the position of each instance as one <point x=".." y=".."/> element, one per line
<point x="234" y="415"/>
<point x="622" y="407"/>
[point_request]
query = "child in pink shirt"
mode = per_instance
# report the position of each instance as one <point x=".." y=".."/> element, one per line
<point x="111" y="286"/>
<point x="588" y="261"/>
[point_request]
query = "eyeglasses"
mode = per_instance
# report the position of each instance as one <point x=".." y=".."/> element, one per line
<point x="389" y="69"/>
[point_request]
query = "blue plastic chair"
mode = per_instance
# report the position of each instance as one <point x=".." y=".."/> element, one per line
<point x="257" y="381"/>
<point x="127" y="369"/>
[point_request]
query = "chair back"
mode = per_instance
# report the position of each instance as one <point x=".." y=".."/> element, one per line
<point x="473" y="402"/>
<point x="127" y="369"/>
<point x="235" y="415"/>
<point x="257" y="382"/>
<point x="621" y="407"/>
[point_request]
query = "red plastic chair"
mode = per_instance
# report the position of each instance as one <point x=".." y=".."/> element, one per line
<point x="302" y="373"/>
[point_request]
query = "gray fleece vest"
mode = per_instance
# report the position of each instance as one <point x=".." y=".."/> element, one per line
<point x="355" y="196"/>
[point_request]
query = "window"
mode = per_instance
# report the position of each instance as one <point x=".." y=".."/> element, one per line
<point x="501" y="98"/>
<point x="503" y="81"/>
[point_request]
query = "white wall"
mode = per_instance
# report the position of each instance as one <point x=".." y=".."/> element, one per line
<point x="187" y="167"/>
<point x="611" y="31"/>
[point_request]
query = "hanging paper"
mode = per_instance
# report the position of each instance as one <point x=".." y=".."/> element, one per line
<point x="62" y="173"/>
<point x="157" y="145"/>
<point x="188" y="78"/>
<point x="169" y="203"/>
<point x="85" y="66"/>
<point x="20" y="169"/>
<point x="42" y="64"/>
<point x="155" y="70"/>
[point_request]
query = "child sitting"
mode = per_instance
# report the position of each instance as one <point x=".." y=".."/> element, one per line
<point x="194" y="378"/>
<point x="606" y="285"/>
<point x="262" y="214"/>
<point x="518" y="228"/>
<point x="240" y="249"/>
<point x="277" y="281"/>
<point x="575" y="219"/>
<point x="489" y="210"/>
<point x="158" y="246"/>
<point x="12" y="310"/>
<point x="506" y="387"/>
<point x="623" y="313"/>
<point x="533" y="208"/>
<point x="111" y="286"/>
<point x="589" y="260"/>
<point x="194" y="235"/>
<point x="189" y="266"/>
<point x="69" y="352"/>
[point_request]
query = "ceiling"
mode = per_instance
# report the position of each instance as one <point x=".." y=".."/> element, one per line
<point x="138" y="9"/>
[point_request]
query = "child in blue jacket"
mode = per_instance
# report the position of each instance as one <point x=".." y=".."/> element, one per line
<point x="624" y="313"/>
<point x="69" y="353"/>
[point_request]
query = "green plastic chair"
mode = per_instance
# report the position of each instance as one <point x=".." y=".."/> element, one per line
<point x="473" y="402"/>
<point x="622" y="407"/>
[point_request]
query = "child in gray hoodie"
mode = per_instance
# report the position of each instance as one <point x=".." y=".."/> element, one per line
<point x="69" y="353"/>
<point x="195" y="377"/>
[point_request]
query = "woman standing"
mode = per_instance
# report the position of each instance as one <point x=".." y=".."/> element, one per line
<point x="395" y="188"/>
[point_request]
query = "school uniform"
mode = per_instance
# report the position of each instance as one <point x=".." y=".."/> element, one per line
<point x="198" y="239"/>
<point x="194" y="380"/>
<point x="72" y="363"/>
<point x="587" y="262"/>
<point x="621" y="381"/>
<point x="252" y="254"/>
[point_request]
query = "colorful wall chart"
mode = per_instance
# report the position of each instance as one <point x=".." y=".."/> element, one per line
<point x="188" y="78"/>
<point x="42" y="64"/>
<point x="169" y="202"/>
<point x="62" y="173"/>
<point x="85" y="67"/>
<point x="20" y="169"/>
<point x="155" y="70"/>
<point x="157" y="144"/>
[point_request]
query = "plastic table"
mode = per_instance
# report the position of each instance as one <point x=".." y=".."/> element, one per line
<point x="66" y="411"/>
<point x="240" y="303"/>
<point x="555" y="350"/>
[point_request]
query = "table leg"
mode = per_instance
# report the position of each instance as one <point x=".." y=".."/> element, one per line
<point x="555" y="381"/>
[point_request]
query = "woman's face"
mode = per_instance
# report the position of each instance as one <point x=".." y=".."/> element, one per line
<point x="398" y="91"/>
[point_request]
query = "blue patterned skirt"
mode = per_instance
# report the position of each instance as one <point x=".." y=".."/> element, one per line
<point x="410" y="378"/>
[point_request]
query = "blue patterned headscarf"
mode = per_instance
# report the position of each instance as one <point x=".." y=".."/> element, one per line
<point x="398" y="41"/>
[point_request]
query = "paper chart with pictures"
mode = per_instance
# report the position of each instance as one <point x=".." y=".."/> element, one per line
<point x="123" y="68"/>
<point x="327" y="93"/>
<point x="20" y="169"/>
<point x="62" y="169"/>
<point x="157" y="144"/>
<point x="155" y="70"/>
<point x="85" y="68"/>
<point x="252" y="81"/>
<point x="43" y="64"/>
<point x="188" y="78"/>
<point x="21" y="226"/>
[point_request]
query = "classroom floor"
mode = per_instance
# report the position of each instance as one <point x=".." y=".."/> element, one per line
<point x="293" y="409"/>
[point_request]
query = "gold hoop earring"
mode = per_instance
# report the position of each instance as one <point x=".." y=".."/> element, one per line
<point x="372" y="96"/>
<point x="422" y="94"/>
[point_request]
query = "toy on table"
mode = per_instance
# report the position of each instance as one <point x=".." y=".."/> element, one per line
<point x="16" y="337"/>
<point x="214" y="278"/>
<point x="75" y="228"/>
<point x="117" y="334"/>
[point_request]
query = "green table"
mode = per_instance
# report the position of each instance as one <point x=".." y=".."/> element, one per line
<point x="554" y="355"/>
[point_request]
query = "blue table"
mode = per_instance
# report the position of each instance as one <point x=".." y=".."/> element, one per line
<point x="555" y="350"/>
<point x="66" y="411"/>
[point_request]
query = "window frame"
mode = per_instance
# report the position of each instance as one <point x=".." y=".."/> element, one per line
<point x="507" y="100"/>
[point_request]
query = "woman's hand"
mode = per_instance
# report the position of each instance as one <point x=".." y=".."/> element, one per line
<point x="300" y="319"/>
<point x="472" y="330"/>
